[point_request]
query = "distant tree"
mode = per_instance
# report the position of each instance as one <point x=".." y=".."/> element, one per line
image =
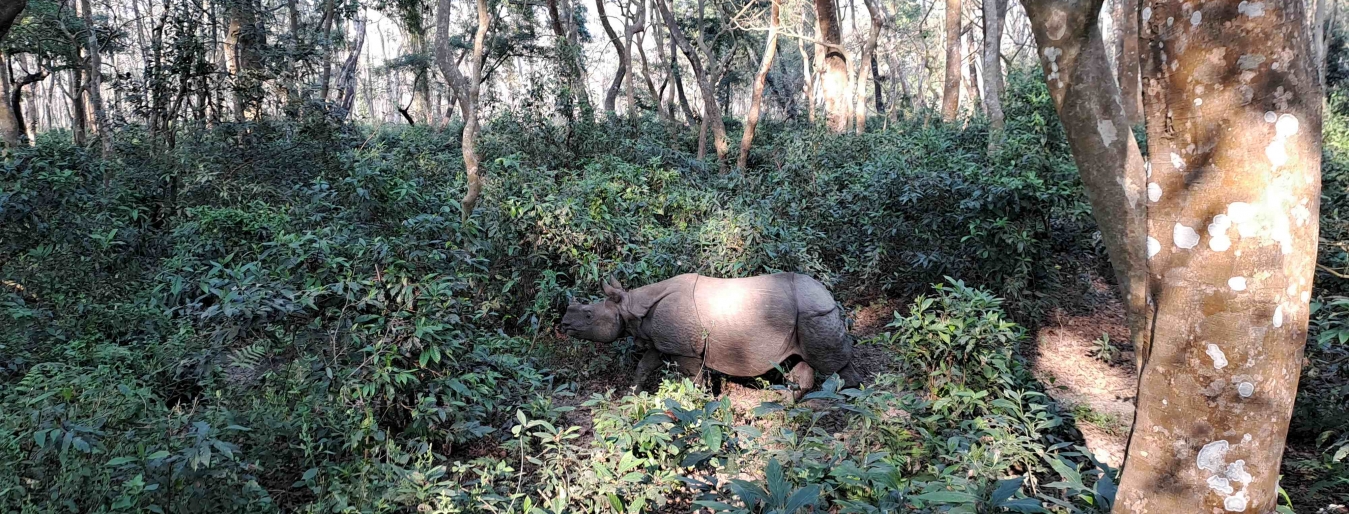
<point x="832" y="65"/>
<point x="994" y="12"/>
<point x="760" y="78"/>
<point x="467" y="89"/>
<point x="950" y="96"/>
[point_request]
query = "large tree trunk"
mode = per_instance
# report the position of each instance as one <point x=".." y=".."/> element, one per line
<point x="994" y="12"/>
<point x="950" y="97"/>
<point x="835" y="66"/>
<point x="243" y="53"/>
<point x="95" y="87"/>
<point x="1083" y="88"/>
<point x="1126" y="22"/>
<point x="1233" y="110"/>
<point x="467" y="89"/>
<point x="11" y="130"/>
<point x="766" y="64"/>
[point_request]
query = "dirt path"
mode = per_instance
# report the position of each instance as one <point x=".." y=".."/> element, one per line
<point x="1098" y="384"/>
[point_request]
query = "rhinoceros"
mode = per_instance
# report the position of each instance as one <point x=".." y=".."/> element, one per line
<point x="742" y="327"/>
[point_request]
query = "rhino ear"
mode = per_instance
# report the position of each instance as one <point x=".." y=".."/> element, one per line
<point x="613" y="291"/>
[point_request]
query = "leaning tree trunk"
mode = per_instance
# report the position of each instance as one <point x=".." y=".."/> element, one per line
<point x="615" y="86"/>
<point x="346" y="81"/>
<point x="972" y="85"/>
<point x="1233" y="109"/>
<point x="1083" y="88"/>
<point x="834" y="67"/>
<point x="467" y="88"/>
<point x="950" y="96"/>
<point x="752" y="118"/>
<point x="1126" y="22"/>
<point x="994" y="12"/>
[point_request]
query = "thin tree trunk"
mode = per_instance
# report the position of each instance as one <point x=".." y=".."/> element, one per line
<point x="876" y="81"/>
<point x="1126" y="22"/>
<point x="950" y="98"/>
<point x="615" y="86"/>
<point x="95" y="87"/>
<point x="326" y="29"/>
<point x="765" y="64"/>
<point x="868" y="50"/>
<point x="994" y="12"/>
<point x="467" y="88"/>
<point x="78" y="116"/>
<point x="1233" y="109"/>
<point x="707" y="87"/>
<point x="834" y="67"/>
<point x="11" y="129"/>
<point x="807" y="75"/>
<point x="972" y="85"/>
<point x="346" y="82"/>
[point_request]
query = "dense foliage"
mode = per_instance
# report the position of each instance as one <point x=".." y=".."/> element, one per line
<point x="291" y="316"/>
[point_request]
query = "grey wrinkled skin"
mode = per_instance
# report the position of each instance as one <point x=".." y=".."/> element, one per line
<point x="746" y="325"/>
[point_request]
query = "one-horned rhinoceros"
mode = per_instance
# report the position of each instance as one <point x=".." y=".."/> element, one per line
<point x="741" y="327"/>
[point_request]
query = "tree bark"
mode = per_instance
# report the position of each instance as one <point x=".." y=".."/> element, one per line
<point x="1082" y="86"/>
<point x="834" y="66"/>
<point x="326" y="28"/>
<point x="994" y="12"/>
<point x="765" y="64"/>
<point x="1233" y="110"/>
<point x="1126" y="22"/>
<point x="950" y="98"/>
<point x="78" y="116"/>
<point x="467" y="89"/>
<point x="807" y="74"/>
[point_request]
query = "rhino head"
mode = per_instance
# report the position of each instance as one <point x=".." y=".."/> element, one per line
<point x="600" y="321"/>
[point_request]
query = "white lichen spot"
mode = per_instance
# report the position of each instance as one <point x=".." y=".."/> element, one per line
<point x="1236" y="471"/>
<point x="1306" y="296"/>
<point x="1301" y="214"/>
<point x="1177" y="162"/>
<point x="1107" y="131"/>
<point x="1147" y="169"/>
<point x="1250" y="62"/>
<point x="1270" y="117"/>
<point x="1219" y="243"/>
<point x="1246" y="438"/>
<point x="1198" y="102"/>
<point x="1237" y="283"/>
<point x="1153" y="246"/>
<point x="1219" y="362"/>
<point x="1286" y="126"/>
<point x="1196" y="18"/>
<point x="1278" y="316"/>
<point x="1147" y="13"/>
<point x="1292" y="289"/>
<point x="1236" y="502"/>
<point x="1252" y="9"/>
<point x="1240" y="212"/>
<point x="1154" y="192"/>
<point x="1213" y="456"/>
<point x="1184" y="237"/>
<point x="1220" y="484"/>
<point x="1276" y="153"/>
<point x="1174" y="65"/>
<point x="1170" y="21"/>
<point x="1245" y="389"/>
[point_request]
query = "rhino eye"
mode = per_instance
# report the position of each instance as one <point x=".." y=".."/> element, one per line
<point x="588" y="315"/>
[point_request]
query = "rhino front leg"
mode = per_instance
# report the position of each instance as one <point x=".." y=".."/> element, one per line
<point x="650" y="361"/>
<point x="693" y="366"/>
<point x="804" y="377"/>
